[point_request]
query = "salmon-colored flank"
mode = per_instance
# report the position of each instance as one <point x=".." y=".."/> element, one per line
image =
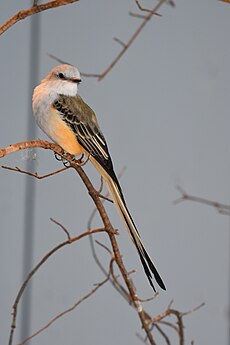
<point x="63" y="135"/>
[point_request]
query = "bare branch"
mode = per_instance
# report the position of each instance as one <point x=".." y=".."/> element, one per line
<point x="111" y="232"/>
<point x="34" y="174"/>
<point x="163" y="334"/>
<point x="94" y="253"/>
<point x="169" y="324"/>
<point x="179" y="316"/>
<point x="54" y="57"/>
<point x="120" y="42"/>
<point x="107" y="227"/>
<point x="36" y="268"/>
<point x="171" y="3"/>
<point x="129" y="294"/>
<point x="221" y="208"/>
<point x="142" y="339"/>
<point x="23" y="145"/>
<point x="62" y="227"/>
<point x="83" y="74"/>
<point x="144" y="9"/>
<point x="132" y="38"/>
<point x="98" y="285"/>
<point x="105" y="247"/>
<point x="32" y="10"/>
<point x="90" y="75"/>
<point x="118" y="285"/>
<point x="137" y="15"/>
<point x="193" y="310"/>
<point x="91" y="217"/>
<point x="113" y="278"/>
<point x="170" y="304"/>
<point x="179" y="328"/>
<point x="125" y="45"/>
<point x="149" y="298"/>
<point x="105" y="198"/>
<point x="101" y="186"/>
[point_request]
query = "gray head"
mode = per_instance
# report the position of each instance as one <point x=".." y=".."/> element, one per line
<point x="63" y="79"/>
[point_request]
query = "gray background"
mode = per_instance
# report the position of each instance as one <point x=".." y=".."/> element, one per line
<point x="164" y="110"/>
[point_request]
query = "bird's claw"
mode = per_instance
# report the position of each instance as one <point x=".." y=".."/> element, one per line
<point x="81" y="162"/>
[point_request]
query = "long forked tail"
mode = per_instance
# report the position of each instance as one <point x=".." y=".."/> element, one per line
<point x="118" y="199"/>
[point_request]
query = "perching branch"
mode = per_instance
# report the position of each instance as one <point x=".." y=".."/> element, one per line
<point x="33" y="10"/>
<point x="107" y="225"/>
<point x="128" y="291"/>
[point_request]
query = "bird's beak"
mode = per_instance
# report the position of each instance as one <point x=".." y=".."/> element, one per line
<point x="76" y="80"/>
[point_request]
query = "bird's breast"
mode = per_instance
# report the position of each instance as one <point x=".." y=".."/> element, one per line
<point x="50" y="122"/>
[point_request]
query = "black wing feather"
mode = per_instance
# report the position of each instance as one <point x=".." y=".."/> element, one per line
<point x="89" y="136"/>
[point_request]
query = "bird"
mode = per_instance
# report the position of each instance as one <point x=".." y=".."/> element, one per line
<point x="68" y="121"/>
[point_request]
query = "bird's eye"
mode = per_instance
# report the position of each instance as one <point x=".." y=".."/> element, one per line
<point x="61" y="76"/>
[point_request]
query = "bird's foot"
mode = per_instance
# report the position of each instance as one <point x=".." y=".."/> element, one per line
<point x="81" y="162"/>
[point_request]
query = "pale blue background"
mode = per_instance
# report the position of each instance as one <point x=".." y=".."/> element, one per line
<point x="164" y="110"/>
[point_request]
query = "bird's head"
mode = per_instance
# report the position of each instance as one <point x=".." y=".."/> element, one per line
<point x="63" y="79"/>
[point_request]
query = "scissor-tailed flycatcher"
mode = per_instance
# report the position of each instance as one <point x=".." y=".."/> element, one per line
<point x="62" y="114"/>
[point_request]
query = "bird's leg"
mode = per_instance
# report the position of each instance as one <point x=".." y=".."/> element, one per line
<point x="66" y="162"/>
<point x="81" y="162"/>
